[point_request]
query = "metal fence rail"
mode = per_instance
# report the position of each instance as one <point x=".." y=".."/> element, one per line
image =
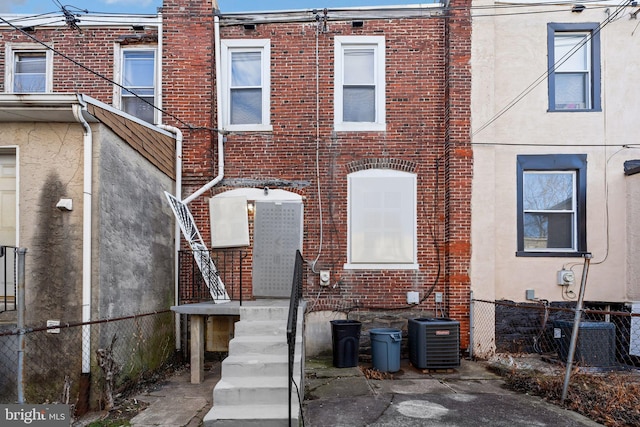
<point x="8" y="278"/>
<point x="230" y="266"/>
<point x="127" y="352"/>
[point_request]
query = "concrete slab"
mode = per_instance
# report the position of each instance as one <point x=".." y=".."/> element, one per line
<point x="178" y="402"/>
<point x="468" y="395"/>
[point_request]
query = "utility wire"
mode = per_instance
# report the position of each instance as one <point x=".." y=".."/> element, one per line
<point x="84" y="67"/>
<point x="553" y="68"/>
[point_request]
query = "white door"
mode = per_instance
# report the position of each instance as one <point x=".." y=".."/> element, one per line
<point x="7" y="223"/>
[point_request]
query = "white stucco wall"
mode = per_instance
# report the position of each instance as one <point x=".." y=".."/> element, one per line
<point x="509" y="55"/>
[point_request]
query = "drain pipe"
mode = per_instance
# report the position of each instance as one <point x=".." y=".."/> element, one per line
<point x="178" y="133"/>
<point x="220" y="175"/>
<point x="86" y="234"/>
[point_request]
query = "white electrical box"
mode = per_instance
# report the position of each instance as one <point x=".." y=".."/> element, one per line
<point x="438" y="296"/>
<point x="413" y="297"/>
<point x="566" y="277"/>
<point x="325" y="277"/>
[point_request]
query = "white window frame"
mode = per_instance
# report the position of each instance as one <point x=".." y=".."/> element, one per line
<point x="11" y="49"/>
<point x="377" y="43"/>
<point x="118" y="73"/>
<point x="263" y="46"/>
<point x="405" y="241"/>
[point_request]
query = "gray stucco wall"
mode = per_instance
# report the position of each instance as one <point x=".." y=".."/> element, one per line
<point x="633" y="231"/>
<point x="134" y="243"/>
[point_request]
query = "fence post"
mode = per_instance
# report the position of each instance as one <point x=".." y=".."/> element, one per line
<point x="21" y="308"/>
<point x="576" y="325"/>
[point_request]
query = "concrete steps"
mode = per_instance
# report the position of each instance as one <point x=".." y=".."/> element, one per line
<point x="254" y="384"/>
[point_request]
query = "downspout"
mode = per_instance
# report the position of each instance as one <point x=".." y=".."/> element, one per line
<point x="178" y="134"/>
<point x="218" y="178"/>
<point x="86" y="234"/>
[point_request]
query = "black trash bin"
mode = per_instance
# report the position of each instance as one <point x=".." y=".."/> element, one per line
<point x="345" y="335"/>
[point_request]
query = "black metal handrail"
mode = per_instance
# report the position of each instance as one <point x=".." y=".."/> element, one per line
<point x="9" y="278"/>
<point x="294" y="303"/>
<point x="192" y="287"/>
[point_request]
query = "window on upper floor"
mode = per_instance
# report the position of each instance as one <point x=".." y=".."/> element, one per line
<point x="246" y="84"/>
<point x="382" y="220"/>
<point x="359" y="89"/>
<point x="574" y="67"/>
<point x="552" y="205"/>
<point x="29" y="69"/>
<point x="137" y="75"/>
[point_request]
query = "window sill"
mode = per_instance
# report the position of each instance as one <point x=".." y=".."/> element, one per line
<point x="349" y="266"/>
<point x="249" y="128"/>
<point x="577" y="110"/>
<point x="550" y="254"/>
<point x="359" y="127"/>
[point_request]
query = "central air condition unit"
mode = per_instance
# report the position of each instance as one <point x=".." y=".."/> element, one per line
<point x="434" y="343"/>
<point x="595" y="346"/>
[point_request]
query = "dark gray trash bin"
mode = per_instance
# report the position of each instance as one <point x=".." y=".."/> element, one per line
<point x="345" y="335"/>
<point x="385" y="349"/>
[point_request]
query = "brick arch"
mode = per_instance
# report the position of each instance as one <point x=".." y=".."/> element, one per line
<point x="381" y="163"/>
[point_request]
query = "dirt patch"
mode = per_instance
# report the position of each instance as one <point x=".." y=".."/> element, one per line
<point x="609" y="398"/>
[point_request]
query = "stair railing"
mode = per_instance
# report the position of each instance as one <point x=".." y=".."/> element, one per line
<point x="294" y="302"/>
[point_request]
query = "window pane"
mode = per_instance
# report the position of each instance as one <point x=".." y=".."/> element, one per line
<point x="246" y="69"/>
<point x="359" y="104"/>
<point x="246" y="106"/>
<point x="138" y="69"/>
<point x="571" y="91"/>
<point x="27" y="83"/>
<point x="548" y="191"/>
<point x="138" y="108"/>
<point x="359" y="67"/>
<point x="571" y="52"/>
<point x="548" y="230"/>
<point x="30" y="72"/>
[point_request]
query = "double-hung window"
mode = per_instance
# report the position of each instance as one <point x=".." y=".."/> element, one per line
<point x="552" y="205"/>
<point x="382" y="220"/>
<point x="138" y="78"/>
<point x="246" y="84"/>
<point x="574" y="67"/>
<point x="28" y="70"/>
<point x="359" y="90"/>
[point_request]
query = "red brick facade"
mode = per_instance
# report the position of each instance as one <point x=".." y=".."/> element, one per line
<point x="428" y="85"/>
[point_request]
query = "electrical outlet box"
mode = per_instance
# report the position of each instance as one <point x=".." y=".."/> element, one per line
<point x="413" y="297"/>
<point x="531" y="294"/>
<point x="325" y="277"/>
<point x="566" y="277"/>
<point x="438" y="296"/>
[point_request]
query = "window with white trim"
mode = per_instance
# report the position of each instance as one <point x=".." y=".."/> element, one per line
<point x="138" y="77"/>
<point x="552" y="205"/>
<point x="359" y="90"/>
<point x="29" y="69"/>
<point x="574" y="67"/>
<point x="382" y="220"/>
<point x="246" y="82"/>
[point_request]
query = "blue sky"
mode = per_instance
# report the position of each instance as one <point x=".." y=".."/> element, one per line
<point x="150" y="6"/>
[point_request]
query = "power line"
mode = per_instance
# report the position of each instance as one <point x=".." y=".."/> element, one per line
<point x="553" y="68"/>
<point x="84" y="67"/>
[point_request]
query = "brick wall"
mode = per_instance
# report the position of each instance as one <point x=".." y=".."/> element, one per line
<point x="89" y="64"/>
<point x="427" y="114"/>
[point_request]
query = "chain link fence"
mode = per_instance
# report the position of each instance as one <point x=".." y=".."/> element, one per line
<point x="85" y="365"/>
<point x="531" y="344"/>
<point x="608" y="334"/>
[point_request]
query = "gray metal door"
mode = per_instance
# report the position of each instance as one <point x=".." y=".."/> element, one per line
<point x="277" y="234"/>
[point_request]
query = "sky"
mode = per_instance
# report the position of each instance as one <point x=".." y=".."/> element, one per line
<point x="150" y="6"/>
